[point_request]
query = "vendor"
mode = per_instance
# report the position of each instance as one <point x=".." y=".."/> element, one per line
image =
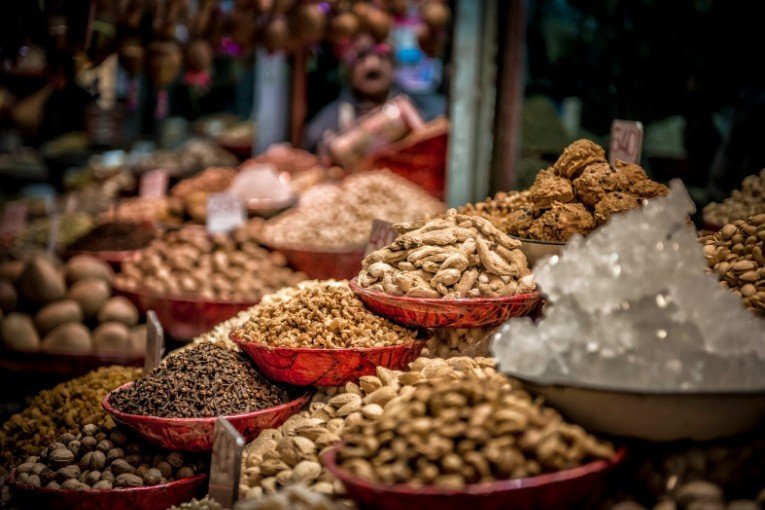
<point x="371" y="71"/>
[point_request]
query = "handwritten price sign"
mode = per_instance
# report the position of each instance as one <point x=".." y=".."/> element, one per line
<point x="381" y="235"/>
<point x="626" y="141"/>
<point x="224" y="212"/>
<point x="14" y="219"/>
<point x="154" y="184"/>
<point x="226" y="463"/>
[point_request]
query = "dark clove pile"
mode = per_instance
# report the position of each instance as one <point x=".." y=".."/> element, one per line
<point x="205" y="381"/>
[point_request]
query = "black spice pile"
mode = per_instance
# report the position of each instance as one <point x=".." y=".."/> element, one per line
<point x="116" y="236"/>
<point x="205" y="381"/>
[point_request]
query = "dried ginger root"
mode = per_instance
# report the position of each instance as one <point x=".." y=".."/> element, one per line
<point x="456" y="256"/>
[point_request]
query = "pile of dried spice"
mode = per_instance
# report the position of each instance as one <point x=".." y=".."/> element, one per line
<point x="207" y="380"/>
<point x="116" y="236"/>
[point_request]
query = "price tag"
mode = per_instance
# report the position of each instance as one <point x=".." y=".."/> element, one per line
<point x="14" y="219"/>
<point x="381" y="235"/>
<point x="626" y="141"/>
<point x="224" y="212"/>
<point x="226" y="463"/>
<point x="155" y="342"/>
<point x="154" y="184"/>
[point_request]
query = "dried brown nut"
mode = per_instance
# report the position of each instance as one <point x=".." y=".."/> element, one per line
<point x="578" y="156"/>
<point x="102" y="485"/>
<point x="614" y="203"/>
<point x="120" y="466"/>
<point x="128" y="480"/>
<point x="184" y="472"/>
<point x="61" y="457"/>
<point x="152" y="477"/>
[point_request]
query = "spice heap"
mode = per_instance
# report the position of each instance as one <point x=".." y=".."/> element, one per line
<point x="207" y="380"/>
<point x="60" y="410"/>
<point x="455" y="433"/>
<point x="192" y="192"/>
<point x="100" y="458"/>
<point x="743" y="203"/>
<point x="578" y="193"/>
<point x="456" y="256"/>
<point x="37" y="234"/>
<point x="142" y="209"/>
<point x="191" y="262"/>
<point x="115" y="236"/>
<point x="736" y="254"/>
<point x="290" y="454"/>
<point x="340" y="215"/>
<point x="60" y="305"/>
<point x="322" y="315"/>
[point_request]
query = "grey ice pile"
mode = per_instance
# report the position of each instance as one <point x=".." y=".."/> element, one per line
<point x="631" y="307"/>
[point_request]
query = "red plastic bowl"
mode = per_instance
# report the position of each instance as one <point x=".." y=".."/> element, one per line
<point x="64" y="363"/>
<point x="184" y="318"/>
<point x="578" y="486"/>
<point x="134" y="498"/>
<point x="325" y="367"/>
<point x="447" y="313"/>
<point x="196" y="434"/>
<point x="323" y="263"/>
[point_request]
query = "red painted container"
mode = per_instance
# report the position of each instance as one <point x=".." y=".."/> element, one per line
<point x="447" y="313"/>
<point x="184" y="318"/>
<point x="134" y="498"/>
<point x="323" y="263"/>
<point x="196" y="434"/>
<point x="571" y="488"/>
<point x="325" y="367"/>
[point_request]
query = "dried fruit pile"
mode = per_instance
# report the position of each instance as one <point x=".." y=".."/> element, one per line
<point x="453" y="433"/>
<point x="340" y="215"/>
<point x="115" y="236"/>
<point x="290" y="454"/>
<point x="456" y="256"/>
<point x="99" y="458"/>
<point x="578" y="193"/>
<point x="743" y="203"/>
<point x="323" y="315"/>
<point x="736" y="253"/>
<point x="191" y="262"/>
<point x="66" y="309"/>
<point x="207" y="380"/>
<point x="60" y="410"/>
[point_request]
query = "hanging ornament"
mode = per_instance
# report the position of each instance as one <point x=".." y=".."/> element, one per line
<point x="165" y="61"/>
<point x="276" y="35"/>
<point x="342" y="27"/>
<point x="436" y="15"/>
<point x="307" y="22"/>
<point x="377" y="22"/>
<point x="199" y="59"/>
<point x="131" y="56"/>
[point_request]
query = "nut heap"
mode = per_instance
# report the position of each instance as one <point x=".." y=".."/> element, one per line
<point x="99" y="458"/>
<point x="578" y="193"/>
<point x="199" y="504"/>
<point x="290" y="454"/>
<point x="115" y="236"/>
<point x="451" y="434"/>
<point x="294" y="497"/>
<point x="743" y="203"/>
<point x="66" y="309"/>
<point x="451" y="342"/>
<point x="456" y="256"/>
<point x="60" y="410"/>
<point x="736" y="253"/>
<point x="340" y="215"/>
<point x="322" y="315"/>
<point x="207" y="380"/>
<point x="190" y="158"/>
<point x="191" y="262"/>
<point x="192" y="192"/>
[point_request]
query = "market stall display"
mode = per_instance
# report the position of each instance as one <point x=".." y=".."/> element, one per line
<point x="62" y="409"/>
<point x="319" y="333"/>
<point x="68" y="310"/>
<point x="37" y="235"/>
<point x="176" y="404"/>
<point x="194" y="280"/>
<point x="626" y="328"/>
<point x="189" y="159"/>
<point x="742" y="203"/>
<point x="324" y="236"/>
<point x="113" y="242"/>
<point x="736" y="254"/>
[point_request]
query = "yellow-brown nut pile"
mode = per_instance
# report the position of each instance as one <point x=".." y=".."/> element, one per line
<point x="451" y="342"/>
<point x="62" y="409"/>
<point x="736" y="254"/>
<point x="743" y="203"/>
<point x="455" y="256"/>
<point x="290" y="454"/>
<point x="340" y="215"/>
<point x="322" y="315"/>
<point x="191" y="262"/>
<point x="451" y="434"/>
<point x="192" y="192"/>
<point x="294" y="497"/>
<point x="578" y="193"/>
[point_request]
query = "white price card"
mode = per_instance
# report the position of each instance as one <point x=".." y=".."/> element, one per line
<point x="155" y="342"/>
<point x="626" y="141"/>
<point x="154" y="184"/>
<point x="226" y="463"/>
<point x="381" y="235"/>
<point x="224" y="212"/>
<point x="14" y="219"/>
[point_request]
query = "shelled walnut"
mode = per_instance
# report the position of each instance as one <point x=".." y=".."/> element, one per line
<point x="455" y="256"/>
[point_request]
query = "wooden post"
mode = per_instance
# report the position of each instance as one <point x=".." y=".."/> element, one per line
<point x="299" y="95"/>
